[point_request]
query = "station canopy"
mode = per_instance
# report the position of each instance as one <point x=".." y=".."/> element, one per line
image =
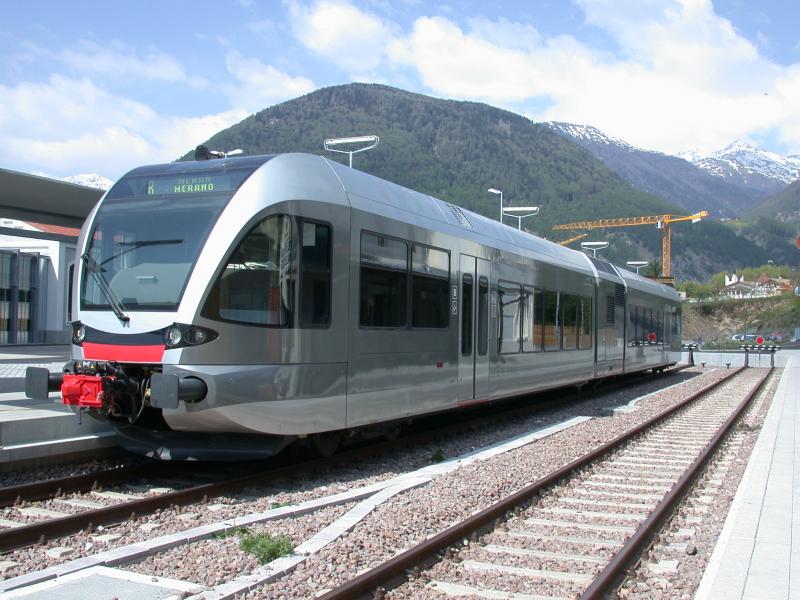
<point x="42" y="200"/>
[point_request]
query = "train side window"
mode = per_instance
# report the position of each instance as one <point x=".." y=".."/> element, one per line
<point x="585" y="341"/>
<point x="552" y="326"/>
<point x="257" y="285"/>
<point x="531" y="326"/>
<point x="430" y="287"/>
<point x="315" y="274"/>
<point x="483" y="316"/>
<point x="570" y="308"/>
<point x="70" y="283"/>
<point x="466" y="314"/>
<point x="384" y="281"/>
<point x="508" y="322"/>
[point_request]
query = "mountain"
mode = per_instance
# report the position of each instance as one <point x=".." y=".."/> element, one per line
<point x="92" y="180"/>
<point x="456" y="150"/>
<point x="670" y="177"/>
<point x="751" y="166"/>
<point x="783" y="206"/>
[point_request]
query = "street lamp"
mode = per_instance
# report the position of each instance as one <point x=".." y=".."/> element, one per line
<point x="372" y="140"/>
<point x="494" y="191"/>
<point x="594" y="247"/>
<point x="529" y="211"/>
<point x="637" y="264"/>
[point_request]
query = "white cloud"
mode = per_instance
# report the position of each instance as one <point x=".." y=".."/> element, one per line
<point x="259" y="85"/>
<point x="341" y="33"/>
<point x="683" y="77"/>
<point x="62" y="125"/>
<point x="115" y="59"/>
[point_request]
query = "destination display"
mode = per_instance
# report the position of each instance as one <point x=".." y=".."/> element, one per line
<point x="178" y="184"/>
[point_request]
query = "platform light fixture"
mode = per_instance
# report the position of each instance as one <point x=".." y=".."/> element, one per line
<point x="524" y="211"/>
<point x="370" y="140"/>
<point x="594" y="247"/>
<point x="500" y="193"/>
<point x="637" y="264"/>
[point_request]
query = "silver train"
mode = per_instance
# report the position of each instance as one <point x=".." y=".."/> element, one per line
<point x="225" y="308"/>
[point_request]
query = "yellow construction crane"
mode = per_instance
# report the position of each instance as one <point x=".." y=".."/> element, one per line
<point x="574" y="238"/>
<point x="661" y="221"/>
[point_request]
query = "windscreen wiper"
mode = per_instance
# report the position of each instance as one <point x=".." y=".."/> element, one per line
<point x="97" y="274"/>
<point x="131" y="246"/>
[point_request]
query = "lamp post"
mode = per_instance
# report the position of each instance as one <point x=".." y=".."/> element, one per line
<point x="372" y="140"/>
<point x="529" y="211"/>
<point x="637" y="264"/>
<point x="594" y="247"/>
<point x="494" y="191"/>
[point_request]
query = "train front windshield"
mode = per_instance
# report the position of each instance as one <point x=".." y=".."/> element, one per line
<point x="147" y="235"/>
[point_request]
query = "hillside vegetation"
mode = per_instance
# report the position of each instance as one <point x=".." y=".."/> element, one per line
<point x="716" y="322"/>
<point x="457" y="150"/>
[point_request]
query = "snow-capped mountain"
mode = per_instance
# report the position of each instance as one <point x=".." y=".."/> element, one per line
<point x="748" y="164"/>
<point x="92" y="180"/>
<point x="591" y="135"/>
<point x="674" y="179"/>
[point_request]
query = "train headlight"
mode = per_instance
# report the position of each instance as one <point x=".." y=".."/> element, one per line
<point x="195" y="336"/>
<point x="173" y="337"/>
<point x="179" y="335"/>
<point x="78" y="333"/>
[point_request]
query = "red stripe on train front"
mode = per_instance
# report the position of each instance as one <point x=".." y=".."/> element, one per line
<point x="123" y="353"/>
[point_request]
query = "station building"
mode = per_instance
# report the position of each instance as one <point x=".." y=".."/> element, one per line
<point x="40" y="219"/>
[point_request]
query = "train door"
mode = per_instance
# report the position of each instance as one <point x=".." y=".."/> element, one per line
<point x="473" y="338"/>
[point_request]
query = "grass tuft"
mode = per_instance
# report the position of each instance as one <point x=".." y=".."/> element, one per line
<point x="265" y="547"/>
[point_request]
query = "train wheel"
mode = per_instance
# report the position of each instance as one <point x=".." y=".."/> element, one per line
<point x="327" y="443"/>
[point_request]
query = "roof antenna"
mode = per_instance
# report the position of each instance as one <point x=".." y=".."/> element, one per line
<point x="203" y="153"/>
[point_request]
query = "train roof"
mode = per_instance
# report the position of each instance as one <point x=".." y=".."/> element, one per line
<point x="387" y="198"/>
<point x="421" y="207"/>
<point x="429" y="208"/>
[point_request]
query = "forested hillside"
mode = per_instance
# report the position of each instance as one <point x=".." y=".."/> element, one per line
<point x="457" y="150"/>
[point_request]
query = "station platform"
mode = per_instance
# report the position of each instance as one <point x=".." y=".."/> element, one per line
<point x="756" y="557"/>
<point x="35" y="431"/>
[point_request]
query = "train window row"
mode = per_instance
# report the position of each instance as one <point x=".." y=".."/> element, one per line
<point x="403" y="284"/>
<point x="278" y="276"/>
<point x="651" y="326"/>
<point x="532" y="320"/>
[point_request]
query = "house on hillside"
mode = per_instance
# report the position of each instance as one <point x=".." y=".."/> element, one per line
<point x="736" y="288"/>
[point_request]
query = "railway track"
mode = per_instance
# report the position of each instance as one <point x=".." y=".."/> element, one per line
<point x="32" y="523"/>
<point x="576" y="531"/>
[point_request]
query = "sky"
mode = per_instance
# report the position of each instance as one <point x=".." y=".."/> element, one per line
<point x="102" y="87"/>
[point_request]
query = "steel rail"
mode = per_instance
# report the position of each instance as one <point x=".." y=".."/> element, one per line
<point x="395" y="567"/>
<point x="26" y="535"/>
<point x="607" y="579"/>
<point x="51" y="488"/>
